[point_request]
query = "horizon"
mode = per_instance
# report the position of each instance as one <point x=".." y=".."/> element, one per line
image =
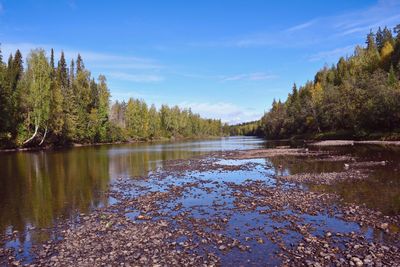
<point x="223" y="60"/>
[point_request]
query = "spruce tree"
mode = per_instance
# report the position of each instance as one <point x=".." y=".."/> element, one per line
<point x="79" y="64"/>
<point x="56" y="102"/>
<point x="379" y="39"/>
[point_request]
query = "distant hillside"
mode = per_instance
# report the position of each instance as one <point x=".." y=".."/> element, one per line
<point x="247" y="128"/>
<point x="358" y="97"/>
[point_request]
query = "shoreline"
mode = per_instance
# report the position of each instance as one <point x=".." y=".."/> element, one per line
<point x="76" y="145"/>
<point x="353" y="142"/>
<point x="315" y="143"/>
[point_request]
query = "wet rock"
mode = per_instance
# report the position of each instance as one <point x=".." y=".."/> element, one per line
<point x="328" y="234"/>
<point x="384" y="226"/>
<point x="168" y="232"/>
<point x="357" y="261"/>
<point x="222" y="247"/>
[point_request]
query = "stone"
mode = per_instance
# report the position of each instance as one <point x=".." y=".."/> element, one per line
<point x="222" y="247"/>
<point x="384" y="226"/>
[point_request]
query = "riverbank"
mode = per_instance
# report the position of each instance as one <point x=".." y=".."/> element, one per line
<point x="227" y="208"/>
<point x="72" y="145"/>
<point x="352" y="143"/>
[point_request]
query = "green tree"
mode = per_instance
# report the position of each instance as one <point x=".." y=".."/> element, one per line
<point x="154" y="123"/>
<point x="38" y="92"/>
<point x="132" y="116"/>
<point x="103" y="107"/>
<point x="56" y="98"/>
<point x="81" y="88"/>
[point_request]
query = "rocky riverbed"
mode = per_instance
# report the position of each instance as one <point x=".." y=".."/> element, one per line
<point x="227" y="208"/>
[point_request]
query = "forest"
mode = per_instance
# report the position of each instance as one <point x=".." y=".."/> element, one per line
<point x="46" y="103"/>
<point x="252" y="128"/>
<point x="359" y="97"/>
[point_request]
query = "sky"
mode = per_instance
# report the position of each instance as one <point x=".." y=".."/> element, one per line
<point x="225" y="59"/>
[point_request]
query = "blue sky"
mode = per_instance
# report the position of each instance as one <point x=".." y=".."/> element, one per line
<point x="225" y="59"/>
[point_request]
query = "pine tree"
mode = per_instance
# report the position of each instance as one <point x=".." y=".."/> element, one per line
<point x="52" y="66"/>
<point x="372" y="57"/>
<point x="81" y="86"/>
<point x="387" y="36"/>
<point x="17" y="69"/>
<point x="79" y="64"/>
<point x="154" y="123"/>
<point x="379" y="39"/>
<point x="71" y="74"/>
<point x="4" y="120"/>
<point x="62" y="74"/>
<point x="397" y="31"/>
<point x="94" y="94"/>
<point x="132" y="119"/>
<point x="70" y="107"/>
<point x="103" y="107"/>
<point x="15" y="73"/>
<point x="56" y="100"/>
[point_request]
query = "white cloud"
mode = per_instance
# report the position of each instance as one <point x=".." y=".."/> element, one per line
<point x="369" y="24"/>
<point x="227" y="112"/>
<point x="318" y="30"/>
<point x="113" y="66"/>
<point x="302" y="26"/>
<point x="332" y="54"/>
<point x="91" y="58"/>
<point x="135" y="77"/>
<point x="256" y="76"/>
<point x="124" y="95"/>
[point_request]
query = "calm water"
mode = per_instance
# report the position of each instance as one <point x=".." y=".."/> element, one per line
<point x="38" y="188"/>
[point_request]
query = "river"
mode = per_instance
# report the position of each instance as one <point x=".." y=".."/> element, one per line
<point x="38" y="189"/>
<point x="41" y="187"/>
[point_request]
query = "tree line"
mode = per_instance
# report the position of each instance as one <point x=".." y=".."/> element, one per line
<point x="47" y="103"/>
<point x="252" y="128"/>
<point x="357" y="97"/>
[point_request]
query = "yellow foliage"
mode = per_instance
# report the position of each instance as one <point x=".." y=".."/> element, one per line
<point x="316" y="92"/>
<point x="386" y="51"/>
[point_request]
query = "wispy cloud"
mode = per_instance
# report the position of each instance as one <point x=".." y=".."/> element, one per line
<point x="364" y="25"/>
<point x="225" y="111"/>
<point x="135" y="77"/>
<point x="314" y="31"/>
<point x="1" y="8"/>
<point x="256" y="76"/>
<point x="113" y="66"/>
<point x="93" y="58"/>
<point x="332" y="54"/>
<point x="124" y="95"/>
<point x="250" y="40"/>
<point x="302" y="26"/>
<point x="253" y="76"/>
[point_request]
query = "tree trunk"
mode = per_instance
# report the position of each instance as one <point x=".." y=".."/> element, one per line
<point x="44" y="136"/>
<point x="33" y="136"/>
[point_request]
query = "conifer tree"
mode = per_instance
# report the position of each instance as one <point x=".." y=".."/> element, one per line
<point x="56" y="100"/>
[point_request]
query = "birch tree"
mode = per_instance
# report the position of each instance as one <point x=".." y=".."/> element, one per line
<point x="38" y="92"/>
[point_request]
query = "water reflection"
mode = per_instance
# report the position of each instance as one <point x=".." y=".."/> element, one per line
<point x="380" y="191"/>
<point x="36" y="188"/>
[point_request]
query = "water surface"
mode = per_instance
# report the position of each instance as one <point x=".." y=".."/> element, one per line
<point x="36" y="188"/>
<point x="39" y="188"/>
